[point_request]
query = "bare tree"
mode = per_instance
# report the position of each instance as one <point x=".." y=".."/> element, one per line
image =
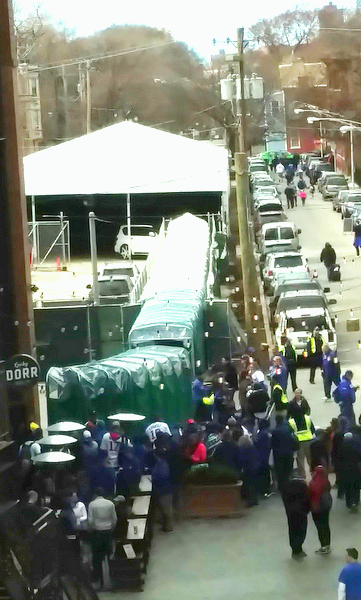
<point x="291" y="29"/>
<point x="28" y="30"/>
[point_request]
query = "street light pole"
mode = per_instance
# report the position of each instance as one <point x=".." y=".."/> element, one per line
<point x="129" y="228"/>
<point x="321" y="139"/>
<point x="352" y="158"/>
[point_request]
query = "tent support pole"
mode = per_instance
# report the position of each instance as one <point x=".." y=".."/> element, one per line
<point x="94" y="257"/>
<point x="129" y="228"/>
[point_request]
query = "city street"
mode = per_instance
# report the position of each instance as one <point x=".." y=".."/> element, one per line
<point x="250" y="557"/>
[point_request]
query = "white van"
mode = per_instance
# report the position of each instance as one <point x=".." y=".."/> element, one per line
<point x="278" y="237"/>
<point x="299" y="323"/>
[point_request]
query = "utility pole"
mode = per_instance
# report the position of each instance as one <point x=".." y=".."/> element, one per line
<point x="252" y="303"/>
<point x="65" y="103"/>
<point x="94" y="256"/>
<point x="88" y="99"/>
<point x="242" y="131"/>
<point x="17" y="317"/>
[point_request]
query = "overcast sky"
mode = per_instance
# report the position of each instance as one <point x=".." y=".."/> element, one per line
<point x="192" y="21"/>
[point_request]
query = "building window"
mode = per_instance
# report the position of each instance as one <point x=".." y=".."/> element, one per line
<point x="295" y="141"/>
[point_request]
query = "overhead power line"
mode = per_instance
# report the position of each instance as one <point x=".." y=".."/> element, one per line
<point x="80" y="61"/>
<point x="340" y="29"/>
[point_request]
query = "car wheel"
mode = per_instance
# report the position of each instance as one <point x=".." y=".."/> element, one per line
<point x="124" y="251"/>
<point x="333" y="207"/>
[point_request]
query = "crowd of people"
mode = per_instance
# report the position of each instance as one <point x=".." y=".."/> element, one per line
<point x="243" y="422"/>
<point x="278" y="434"/>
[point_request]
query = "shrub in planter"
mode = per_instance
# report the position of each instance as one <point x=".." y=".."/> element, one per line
<point x="214" y="474"/>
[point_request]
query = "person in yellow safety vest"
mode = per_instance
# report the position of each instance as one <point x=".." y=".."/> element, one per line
<point x="279" y="398"/>
<point x="314" y="352"/>
<point x="303" y="427"/>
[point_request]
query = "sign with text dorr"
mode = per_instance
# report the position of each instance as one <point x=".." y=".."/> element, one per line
<point x="21" y="370"/>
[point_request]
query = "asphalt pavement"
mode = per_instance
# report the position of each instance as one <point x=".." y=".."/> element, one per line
<point x="320" y="224"/>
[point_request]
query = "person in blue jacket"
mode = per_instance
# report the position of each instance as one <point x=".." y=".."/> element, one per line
<point x="330" y="370"/>
<point x="262" y="444"/>
<point x="199" y="390"/>
<point x="345" y="396"/>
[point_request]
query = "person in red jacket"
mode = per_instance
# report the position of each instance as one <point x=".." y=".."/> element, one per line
<point x="195" y="451"/>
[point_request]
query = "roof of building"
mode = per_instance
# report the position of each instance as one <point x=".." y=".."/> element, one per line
<point x="126" y="158"/>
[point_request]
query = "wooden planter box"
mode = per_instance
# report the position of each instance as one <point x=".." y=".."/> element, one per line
<point x="212" y="500"/>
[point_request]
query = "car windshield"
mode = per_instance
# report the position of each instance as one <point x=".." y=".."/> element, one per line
<point x="271" y="234"/>
<point x="287" y="233"/>
<point x="270" y="207"/>
<point x="290" y="287"/>
<point x="302" y="302"/>
<point x="288" y="261"/>
<point x="263" y="182"/>
<point x="113" y="288"/>
<point x="336" y="181"/>
<point x="354" y="199"/>
<point x="137" y="230"/>
<point x="325" y="167"/>
<point x="306" y="323"/>
<point x="268" y="191"/>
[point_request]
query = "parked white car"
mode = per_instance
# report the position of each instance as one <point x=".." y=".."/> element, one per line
<point x="126" y="267"/>
<point x="280" y="264"/>
<point x="142" y="238"/>
<point x="299" y="323"/>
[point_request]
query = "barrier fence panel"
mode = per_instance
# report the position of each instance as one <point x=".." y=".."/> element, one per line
<point x="50" y="241"/>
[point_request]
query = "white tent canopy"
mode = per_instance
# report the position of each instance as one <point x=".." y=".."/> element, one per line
<point x="126" y="158"/>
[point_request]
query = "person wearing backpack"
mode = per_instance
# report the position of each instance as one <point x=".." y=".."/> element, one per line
<point x="111" y="443"/>
<point x="28" y="450"/>
<point x="301" y="184"/>
<point x="321" y="504"/>
<point x="345" y="395"/>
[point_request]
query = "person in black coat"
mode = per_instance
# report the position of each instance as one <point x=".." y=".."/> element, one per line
<point x="230" y="373"/>
<point x="291" y="195"/>
<point x="257" y="401"/>
<point x="296" y="500"/>
<point x="319" y="450"/>
<point x="350" y="470"/>
<point x="298" y="403"/>
<point x="284" y="444"/>
<point x="328" y="255"/>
